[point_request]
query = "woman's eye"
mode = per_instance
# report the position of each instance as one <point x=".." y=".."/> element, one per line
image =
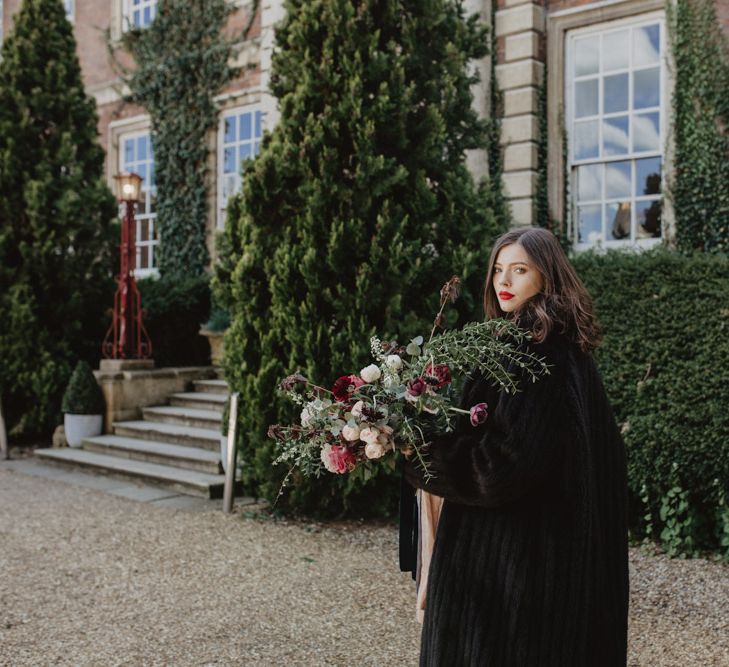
<point x="520" y="270"/>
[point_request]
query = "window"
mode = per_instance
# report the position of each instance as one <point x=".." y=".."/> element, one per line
<point x="616" y="113"/>
<point x="138" y="13"/>
<point x="136" y="154"/>
<point x="68" y="5"/>
<point x="239" y="139"/>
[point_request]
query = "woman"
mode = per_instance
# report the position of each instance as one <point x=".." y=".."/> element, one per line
<point x="530" y="563"/>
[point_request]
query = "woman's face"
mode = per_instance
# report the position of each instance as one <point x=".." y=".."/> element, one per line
<point x="516" y="279"/>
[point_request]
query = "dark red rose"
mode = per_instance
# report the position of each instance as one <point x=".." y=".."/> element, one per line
<point x="479" y="414"/>
<point x="441" y="373"/>
<point x="417" y="386"/>
<point x="345" y="386"/>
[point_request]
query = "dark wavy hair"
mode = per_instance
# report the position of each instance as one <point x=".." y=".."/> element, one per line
<point x="564" y="303"/>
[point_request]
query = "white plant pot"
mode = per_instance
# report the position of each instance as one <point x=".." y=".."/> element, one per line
<point x="78" y="427"/>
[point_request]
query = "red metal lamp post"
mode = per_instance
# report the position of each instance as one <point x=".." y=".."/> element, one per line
<point x="127" y="338"/>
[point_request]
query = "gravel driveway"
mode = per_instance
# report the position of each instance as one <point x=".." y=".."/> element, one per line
<point x="88" y="578"/>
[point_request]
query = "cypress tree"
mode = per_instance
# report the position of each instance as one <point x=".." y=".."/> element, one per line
<point x="56" y="233"/>
<point x="357" y="210"/>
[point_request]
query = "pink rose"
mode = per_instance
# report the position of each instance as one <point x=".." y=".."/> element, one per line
<point x="338" y="459"/>
<point x="479" y="414"/>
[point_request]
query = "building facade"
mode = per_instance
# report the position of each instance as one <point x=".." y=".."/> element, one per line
<point x="604" y="68"/>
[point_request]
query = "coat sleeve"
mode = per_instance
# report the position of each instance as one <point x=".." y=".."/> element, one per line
<point x="514" y="454"/>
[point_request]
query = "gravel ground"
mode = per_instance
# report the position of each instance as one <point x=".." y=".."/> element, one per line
<point x="88" y="578"/>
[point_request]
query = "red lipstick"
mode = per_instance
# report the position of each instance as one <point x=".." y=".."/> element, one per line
<point x="506" y="295"/>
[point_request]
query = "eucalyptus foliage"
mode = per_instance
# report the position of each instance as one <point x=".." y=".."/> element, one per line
<point x="181" y="63"/>
<point x="699" y="188"/>
<point x="56" y="217"/>
<point x="356" y="210"/>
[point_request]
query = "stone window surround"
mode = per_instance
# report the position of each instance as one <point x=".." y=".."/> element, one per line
<point x="558" y="24"/>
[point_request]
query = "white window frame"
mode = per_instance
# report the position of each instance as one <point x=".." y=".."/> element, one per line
<point x="222" y="200"/>
<point x="147" y="191"/>
<point x="598" y="29"/>
<point x="127" y="13"/>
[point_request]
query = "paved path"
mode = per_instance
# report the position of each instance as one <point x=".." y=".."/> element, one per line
<point x="95" y="571"/>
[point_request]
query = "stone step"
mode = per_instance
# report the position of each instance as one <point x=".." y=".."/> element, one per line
<point x="199" y="401"/>
<point x="179" y="456"/>
<point x="212" y="386"/>
<point x="171" y="414"/>
<point x="178" y="479"/>
<point x="177" y="434"/>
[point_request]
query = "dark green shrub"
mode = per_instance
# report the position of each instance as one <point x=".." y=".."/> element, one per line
<point x="665" y="362"/>
<point x="218" y="321"/>
<point x="174" y="308"/>
<point x="83" y="395"/>
<point x="57" y="241"/>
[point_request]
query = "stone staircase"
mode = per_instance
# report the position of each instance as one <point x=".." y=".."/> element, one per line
<point x="175" y="446"/>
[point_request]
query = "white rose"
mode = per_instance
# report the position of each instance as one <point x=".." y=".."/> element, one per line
<point x="369" y="434"/>
<point x="306" y="418"/>
<point x="370" y="374"/>
<point x="394" y="362"/>
<point x="357" y="409"/>
<point x="351" y="433"/>
<point x="373" y="450"/>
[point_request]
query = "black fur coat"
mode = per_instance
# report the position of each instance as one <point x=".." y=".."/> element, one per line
<point x="530" y="564"/>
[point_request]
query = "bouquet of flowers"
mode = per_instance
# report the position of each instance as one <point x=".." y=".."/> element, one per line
<point x="391" y="405"/>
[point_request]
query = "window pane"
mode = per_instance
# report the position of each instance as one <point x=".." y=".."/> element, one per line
<point x="142" y="148"/>
<point x="245" y="152"/>
<point x="645" y="132"/>
<point x="617" y="179"/>
<point x="589" y="220"/>
<point x="646" y="45"/>
<point x="646" y="88"/>
<point x="229" y="185"/>
<point x="259" y="120"/>
<point x="585" y="145"/>
<point x="648" y="176"/>
<point x="229" y="165"/>
<point x="586" y="98"/>
<point x="615" y="93"/>
<point x="229" y="129"/>
<point x="589" y="182"/>
<point x="128" y="152"/>
<point x="587" y="56"/>
<point x="137" y="18"/>
<point x="142" y="171"/>
<point x="257" y="148"/>
<point x="143" y="230"/>
<point x="648" y="219"/>
<point x="615" y="50"/>
<point x="144" y="257"/>
<point x="147" y="15"/>
<point x="618" y="220"/>
<point x="152" y="181"/>
<point x="245" y="126"/>
<point x="615" y="135"/>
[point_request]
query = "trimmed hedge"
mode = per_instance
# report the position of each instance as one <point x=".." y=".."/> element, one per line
<point x="174" y="309"/>
<point x="665" y="363"/>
